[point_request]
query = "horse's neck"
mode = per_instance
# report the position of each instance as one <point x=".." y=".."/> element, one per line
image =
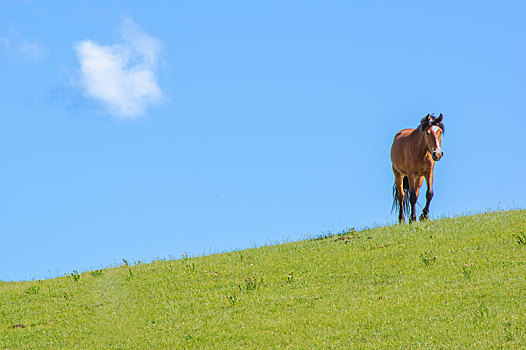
<point x="419" y="142"/>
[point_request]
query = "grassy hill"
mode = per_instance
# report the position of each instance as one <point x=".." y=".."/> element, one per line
<point x="449" y="283"/>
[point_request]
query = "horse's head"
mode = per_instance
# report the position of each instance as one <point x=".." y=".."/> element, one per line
<point x="433" y="129"/>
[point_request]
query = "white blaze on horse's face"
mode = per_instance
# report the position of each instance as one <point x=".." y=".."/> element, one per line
<point x="433" y="137"/>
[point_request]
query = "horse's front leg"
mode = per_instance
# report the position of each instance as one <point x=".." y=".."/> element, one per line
<point x="429" y="196"/>
<point x="415" y="182"/>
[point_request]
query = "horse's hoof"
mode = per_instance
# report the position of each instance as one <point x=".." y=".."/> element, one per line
<point x="424" y="217"/>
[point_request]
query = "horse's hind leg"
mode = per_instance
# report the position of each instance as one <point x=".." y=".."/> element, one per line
<point x="399" y="185"/>
<point x="429" y="196"/>
<point x="414" y="185"/>
<point x="418" y="183"/>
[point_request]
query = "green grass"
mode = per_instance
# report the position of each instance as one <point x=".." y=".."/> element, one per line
<point x="450" y="283"/>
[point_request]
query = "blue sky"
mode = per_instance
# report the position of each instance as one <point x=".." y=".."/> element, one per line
<point x="147" y="130"/>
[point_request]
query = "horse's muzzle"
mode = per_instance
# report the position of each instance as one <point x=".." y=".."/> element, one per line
<point x="437" y="155"/>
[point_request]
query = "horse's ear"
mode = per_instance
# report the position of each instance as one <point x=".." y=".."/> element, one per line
<point x="426" y="118"/>
<point x="439" y="119"/>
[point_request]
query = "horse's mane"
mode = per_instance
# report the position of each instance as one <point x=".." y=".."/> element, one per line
<point x="431" y="120"/>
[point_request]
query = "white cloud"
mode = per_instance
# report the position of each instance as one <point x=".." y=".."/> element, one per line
<point x="4" y="42"/>
<point x="122" y="76"/>
<point x="30" y="49"/>
<point x="16" y="45"/>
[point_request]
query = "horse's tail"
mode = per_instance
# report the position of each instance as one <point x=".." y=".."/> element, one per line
<point x="407" y="202"/>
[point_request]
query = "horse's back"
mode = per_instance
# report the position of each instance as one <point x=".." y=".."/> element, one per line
<point x="403" y="133"/>
<point x="400" y="143"/>
<point x="400" y="140"/>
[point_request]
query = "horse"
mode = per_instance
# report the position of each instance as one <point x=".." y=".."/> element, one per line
<point x="413" y="156"/>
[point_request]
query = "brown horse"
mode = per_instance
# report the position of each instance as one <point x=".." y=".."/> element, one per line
<point x="413" y="156"/>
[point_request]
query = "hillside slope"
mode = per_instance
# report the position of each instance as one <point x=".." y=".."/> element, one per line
<point x="454" y="283"/>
